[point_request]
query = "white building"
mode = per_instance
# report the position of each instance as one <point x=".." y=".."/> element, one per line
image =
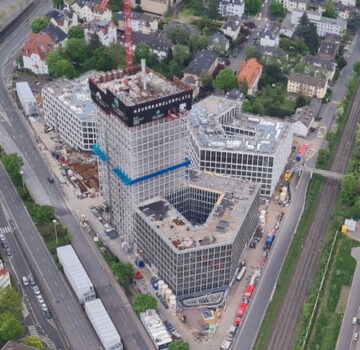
<point x="323" y="25"/>
<point x="294" y="4"/>
<point x="106" y="30"/>
<point x="140" y="22"/>
<point x="63" y="19"/>
<point x="4" y="276"/>
<point x="231" y="8"/>
<point x="303" y="119"/>
<point x="270" y="36"/>
<point x="223" y="140"/>
<point x="69" y="109"/>
<point x="35" y="52"/>
<point x="90" y="10"/>
<point x="351" y="3"/>
<point x="232" y="27"/>
<point x="141" y="142"/>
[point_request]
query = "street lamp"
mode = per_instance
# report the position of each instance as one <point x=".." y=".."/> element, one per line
<point x="56" y="237"/>
<point x="22" y="179"/>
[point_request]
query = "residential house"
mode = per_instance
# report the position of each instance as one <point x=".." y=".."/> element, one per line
<point x="140" y="22"/>
<point x="321" y="66"/>
<point x="4" y="276"/>
<point x="343" y="11"/>
<point x="270" y="36"/>
<point x="295" y="4"/>
<point x="219" y="42"/>
<point x="350" y="3"/>
<point x="62" y="19"/>
<point x="204" y="61"/>
<point x="232" y="27"/>
<point x="56" y="34"/>
<point x="303" y="119"/>
<point x="271" y="52"/>
<point x="323" y="25"/>
<point x="35" y="52"/>
<point x="250" y="71"/>
<point x="106" y="30"/>
<point x="287" y="28"/>
<point x="231" y="8"/>
<point x="11" y="345"/>
<point x="159" y="45"/>
<point x="306" y="85"/>
<point x="89" y="10"/>
<point x="328" y="50"/>
<point x="155" y="7"/>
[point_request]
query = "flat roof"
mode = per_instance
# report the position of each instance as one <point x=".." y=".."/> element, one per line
<point x="24" y="92"/>
<point x="233" y="202"/>
<point x="241" y="132"/>
<point x="128" y="85"/>
<point x="74" y="94"/>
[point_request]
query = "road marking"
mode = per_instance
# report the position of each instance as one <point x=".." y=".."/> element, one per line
<point x="335" y="102"/>
<point x="25" y="311"/>
<point x="48" y="342"/>
<point x="33" y="331"/>
<point x="4" y="230"/>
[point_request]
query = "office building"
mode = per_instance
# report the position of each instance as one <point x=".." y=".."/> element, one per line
<point x="193" y="239"/>
<point x="141" y="139"/>
<point x="223" y="140"/>
<point x="69" y="109"/>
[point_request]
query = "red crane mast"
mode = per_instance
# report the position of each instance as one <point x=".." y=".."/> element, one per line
<point x="128" y="34"/>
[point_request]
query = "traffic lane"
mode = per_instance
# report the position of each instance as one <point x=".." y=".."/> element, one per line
<point x="345" y="339"/>
<point x="245" y="339"/>
<point x="66" y="308"/>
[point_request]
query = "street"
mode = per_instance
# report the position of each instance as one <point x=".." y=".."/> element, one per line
<point x="34" y="318"/>
<point x="15" y="136"/>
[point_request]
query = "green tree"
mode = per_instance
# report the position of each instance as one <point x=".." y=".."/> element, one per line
<point x="76" y="50"/>
<point x="99" y="60"/>
<point x="323" y="157"/>
<point x="300" y="101"/>
<point x="174" y="69"/>
<point x="64" y="68"/>
<point x="247" y="107"/>
<point x="13" y="163"/>
<point x="253" y="6"/>
<point x="115" y="18"/>
<point x="123" y="272"/>
<point x="330" y="12"/>
<point x="356" y="69"/>
<point x="45" y="214"/>
<point x="143" y="51"/>
<point x="353" y="22"/>
<point x="10" y="328"/>
<point x="179" y="345"/>
<point x="244" y="87"/>
<point x="94" y="42"/>
<point x="252" y="52"/>
<point x="10" y="302"/>
<point x="177" y="35"/>
<point x="116" y="52"/>
<point x="348" y="193"/>
<point x="181" y="54"/>
<point x="307" y="32"/>
<point x="206" y="80"/>
<point x="300" y="67"/>
<point x="35" y="342"/>
<point x="213" y="9"/>
<point x="76" y="32"/>
<point x="225" y="80"/>
<point x="115" y="5"/>
<point x="198" y="43"/>
<point x="58" y="4"/>
<point x="38" y="24"/>
<point x="276" y="9"/>
<point x="258" y="107"/>
<point x="356" y="208"/>
<point x="143" y="302"/>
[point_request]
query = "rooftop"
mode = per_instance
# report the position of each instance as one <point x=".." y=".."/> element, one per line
<point x="229" y="199"/>
<point x="233" y="22"/>
<point x="317" y="61"/>
<point x="74" y="94"/>
<point x="55" y="33"/>
<point x="155" y="327"/>
<point x="202" y="61"/>
<point x="329" y="48"/>
<point x="272" y="31"/>
<point x="127" y="85"/>
<point x="244" y="132"/>
<point x="155" y="41"/>
<point x="250" y="70"/>
<point x="307" y="79"/>
<point x="16" y="346"/>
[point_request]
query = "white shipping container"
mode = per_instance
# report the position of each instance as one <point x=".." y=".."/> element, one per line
<point x="26" y="98"/>
<point x="103" y="325"/>
<point x="76" y="274"/>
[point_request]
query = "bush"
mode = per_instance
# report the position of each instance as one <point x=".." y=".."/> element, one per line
<point x="143" y="302"/>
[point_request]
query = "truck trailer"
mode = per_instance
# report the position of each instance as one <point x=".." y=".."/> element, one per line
<point x="27" y="99"/>
<point x="76" y="274"/>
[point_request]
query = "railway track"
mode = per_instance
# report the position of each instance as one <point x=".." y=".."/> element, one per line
<point x="284" y="329"/>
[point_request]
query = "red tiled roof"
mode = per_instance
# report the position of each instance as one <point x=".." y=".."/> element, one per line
<point x="249" y="70"/>
<point x="3" y="271"/>
<point x="38" y="43"/>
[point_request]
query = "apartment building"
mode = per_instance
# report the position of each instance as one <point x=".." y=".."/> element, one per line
<point x="194" y="238"/>
<point x="250" y="71"/>
<point x="89" y="10"/>
<point x="232" y="27"/>
<point x="306" y="85"/>
<point x="231" y="8"/>
<point x="294" y="4"/>
<point x="69" y="109"/>
<point x="270" y="36"/>
<point x="224" y="140"/>
<point x="106" y="31"/>
<point x="140" y="22"/>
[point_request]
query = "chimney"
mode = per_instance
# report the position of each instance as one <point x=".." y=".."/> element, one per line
<point x="143" y="72"/>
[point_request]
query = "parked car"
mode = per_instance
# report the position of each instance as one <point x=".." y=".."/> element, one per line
<point x="2" y="237"/>
<point x="47" y="314"/>
<point x="5" y="244"/>
<point x="354" y="319"/>
<point x="154" y="279"/>
<point x="205" y="327"/>
<point x="36" y="290"/>
<point x="252" y="244"/>
<point x="51" y="180"/>
<point x="40" y="298"/>
<point x="8" y="252"/>
<point x="44" y="307"/>
<point x="25" y="281"/>
<point x="169" y="326"/>
<point x="356" y="336"/>
<point x="32" y="281"/>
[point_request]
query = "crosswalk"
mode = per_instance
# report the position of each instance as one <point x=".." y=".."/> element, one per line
<point x="48" y="342"/>
<point x="33" y="331"/>
<point x="5" y="229"/>
<point x="25" y="311"/>
<point x="51" y="321"/>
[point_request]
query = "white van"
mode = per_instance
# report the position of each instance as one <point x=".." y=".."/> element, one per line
<point x="25" y="281"/>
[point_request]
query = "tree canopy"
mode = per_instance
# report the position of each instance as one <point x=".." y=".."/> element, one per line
<point x="179" y="345"/>
<point x="307" y="32"/>
<point x="276" y="9"/>
<point x="143" y="51"/>
<point x="13" y="163"/>
<point x="225" y="80"/>
<point x="213" y="9"/>
<point x="181" y="54"/>
<point x="76" y="32"/>
<point x="329" y="12"/>
<point x="76" y="50"/>
<point x="116" y="52"/>
<point x="143" y="302"/>
<point x="123" y="272"/>
<point x="35" y="342"/>
<point x="177" y="35"/>
<point x="348" y="193"/>
<point x="10" y="328"/>
<point x="38" y="24"/>
<point x="253" y="6"/>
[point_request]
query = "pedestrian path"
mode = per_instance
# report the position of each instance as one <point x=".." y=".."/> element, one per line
<point x="25" y="311"/>
<point x="33" y="331"/>
<point x="4" y="230"/>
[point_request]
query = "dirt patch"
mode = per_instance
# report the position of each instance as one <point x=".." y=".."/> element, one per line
<point x="344" y="296"/>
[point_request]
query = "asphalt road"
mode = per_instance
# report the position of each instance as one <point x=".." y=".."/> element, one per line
<point x="345" y="340"/>
<point x="284" y="329"/>
<point x="16" y="133"/>
<point x="34" y="318"/>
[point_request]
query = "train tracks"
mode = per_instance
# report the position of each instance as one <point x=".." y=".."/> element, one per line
<point x="284" y="328"/>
